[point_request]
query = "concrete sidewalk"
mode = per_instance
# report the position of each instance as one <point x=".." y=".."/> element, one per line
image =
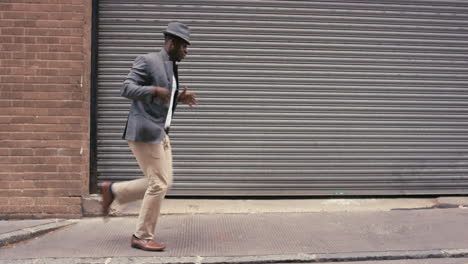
<point x="259" y="238"/>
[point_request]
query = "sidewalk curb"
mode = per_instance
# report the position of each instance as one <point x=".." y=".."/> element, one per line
<point x="31" y="232"/>
<point x="302" y="257"/>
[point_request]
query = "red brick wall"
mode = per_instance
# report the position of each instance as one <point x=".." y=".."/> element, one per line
<point x="44" y="102"/>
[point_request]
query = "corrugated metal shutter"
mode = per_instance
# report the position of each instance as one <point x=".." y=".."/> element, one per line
<point x="300" y="97"/>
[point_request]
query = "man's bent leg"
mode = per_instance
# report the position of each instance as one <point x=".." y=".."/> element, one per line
<point x="129" y="191"/>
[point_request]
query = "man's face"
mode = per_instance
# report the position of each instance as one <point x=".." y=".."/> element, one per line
<point x="178" y="49"/>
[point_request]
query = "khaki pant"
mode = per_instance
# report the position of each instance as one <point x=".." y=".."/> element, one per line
<point x="155" y="160"/>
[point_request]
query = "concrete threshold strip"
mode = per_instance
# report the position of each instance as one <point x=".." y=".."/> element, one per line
<point x="304" y="258"/>
<point x="32" y="232"/>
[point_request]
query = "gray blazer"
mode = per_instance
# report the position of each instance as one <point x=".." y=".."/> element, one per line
<point x="147" y="115"/>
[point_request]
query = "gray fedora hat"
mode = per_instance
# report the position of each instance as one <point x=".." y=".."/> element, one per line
<point x="179" y="30"/>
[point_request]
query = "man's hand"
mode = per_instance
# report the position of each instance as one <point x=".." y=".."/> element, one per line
<point x="187" y="98"/>
<point x="162" y="94"/>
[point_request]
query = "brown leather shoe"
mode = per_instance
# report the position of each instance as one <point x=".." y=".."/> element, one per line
<point x="107" y="196"/>
<point x="146" y="244"/>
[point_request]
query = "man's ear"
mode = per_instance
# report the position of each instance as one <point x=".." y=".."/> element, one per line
<point x="171" y="44"/>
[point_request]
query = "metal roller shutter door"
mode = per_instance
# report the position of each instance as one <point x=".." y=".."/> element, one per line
<point x="299" y="97"/>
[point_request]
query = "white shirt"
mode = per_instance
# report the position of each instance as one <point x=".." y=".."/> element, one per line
<point x="171" y="103"/>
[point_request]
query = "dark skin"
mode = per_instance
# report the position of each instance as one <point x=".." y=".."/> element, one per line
<point x="177" y="49"/>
